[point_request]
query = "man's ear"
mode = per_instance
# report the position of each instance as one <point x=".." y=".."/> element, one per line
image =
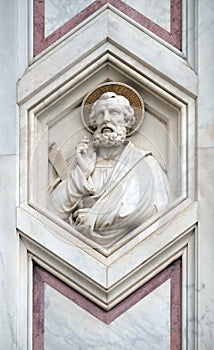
<point x="129" y="122"/>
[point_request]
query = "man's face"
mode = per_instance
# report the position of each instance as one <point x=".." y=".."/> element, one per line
<point x="109" y="116"/>
<point x="110" y="121"/>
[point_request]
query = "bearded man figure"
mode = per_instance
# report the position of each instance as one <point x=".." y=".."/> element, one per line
<point x="112" y="187"/>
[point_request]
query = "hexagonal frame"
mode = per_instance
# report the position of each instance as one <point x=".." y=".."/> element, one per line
<point x="44" y="83"/>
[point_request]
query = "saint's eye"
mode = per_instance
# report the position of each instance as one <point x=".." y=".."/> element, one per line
<point x="100" y="114"/>
<point x="114" y="111"/>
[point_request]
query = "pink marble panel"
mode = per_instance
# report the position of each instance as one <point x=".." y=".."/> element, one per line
<point x="41" y="42"/>
<point x="42" y="277"/>
<point x="175" y="323"/>
<point x="38" y="310"/>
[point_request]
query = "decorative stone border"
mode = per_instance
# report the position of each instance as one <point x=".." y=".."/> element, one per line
<point x="172" y="272"/>
<point x="174" y="37"/>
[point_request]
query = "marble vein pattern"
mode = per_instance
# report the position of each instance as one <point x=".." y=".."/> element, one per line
<point x="157" y="11"/>
<point x="58" y="12"/>
<point x="151" y="316"/>
<point x="147" y="324"/>
<point x="54" y="18"/>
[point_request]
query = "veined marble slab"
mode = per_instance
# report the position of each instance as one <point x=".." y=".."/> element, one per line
<point x="146" y="325"/>
<point x="157" y="11"/>
<point x="59" y="12"/>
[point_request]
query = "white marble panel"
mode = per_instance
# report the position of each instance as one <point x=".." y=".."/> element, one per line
<point x="157" y="10"/>
<point x="145" y="326"/>
<point x="59" y="12"/>
<point x="206" y="76"/>
<point x="8" y="161"/>
<point x="206" y="251"/>
<point x="205" y="172"/>
<point x="7" y="79"/>
<point x="8" y="253"/>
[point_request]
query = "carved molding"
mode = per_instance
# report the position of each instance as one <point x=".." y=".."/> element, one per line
<point x="72" y="59"/>
<point x="109" y="281"/>
<point x="186" y="247"/>
<point x="176" y="113"/>
<point x="107" y="277"/>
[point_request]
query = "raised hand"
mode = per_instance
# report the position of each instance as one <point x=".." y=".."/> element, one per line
<point x="85" y="157"/>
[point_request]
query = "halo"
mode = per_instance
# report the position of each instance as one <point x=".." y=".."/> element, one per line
<point x="120" y="89"/>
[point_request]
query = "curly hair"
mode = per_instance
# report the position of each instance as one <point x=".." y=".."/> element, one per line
<point x="127" y="108"/>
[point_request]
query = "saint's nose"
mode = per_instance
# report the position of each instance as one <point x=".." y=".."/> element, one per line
<point x="106" y="116"/>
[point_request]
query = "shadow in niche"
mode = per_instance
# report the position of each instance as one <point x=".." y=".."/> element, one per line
<point x="171" y="273"/>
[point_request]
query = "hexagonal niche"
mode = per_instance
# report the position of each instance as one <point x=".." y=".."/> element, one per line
<point x="56" y="121"/>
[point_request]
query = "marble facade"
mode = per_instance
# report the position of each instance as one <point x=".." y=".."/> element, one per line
<point x="53" y="19"/>
<point x="40" y="96"/>
<point x="57" y="13"/>
<point x="133" y="328"/>
<point x="130" y="323"/>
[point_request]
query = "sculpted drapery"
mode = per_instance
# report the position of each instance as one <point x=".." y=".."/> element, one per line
<point x="112" y="187"/>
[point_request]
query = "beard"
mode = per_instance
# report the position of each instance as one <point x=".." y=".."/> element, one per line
<point x="109" y="138"/>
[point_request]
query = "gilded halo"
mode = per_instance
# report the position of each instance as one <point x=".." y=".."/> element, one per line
<point x="120" y="89"/>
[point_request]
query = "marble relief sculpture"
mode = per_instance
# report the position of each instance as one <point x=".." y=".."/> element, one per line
<point x="112" y="186"/>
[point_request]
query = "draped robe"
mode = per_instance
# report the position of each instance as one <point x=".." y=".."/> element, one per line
<point x="119" y="197"/>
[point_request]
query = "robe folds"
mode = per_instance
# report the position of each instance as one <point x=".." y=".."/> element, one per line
<point x="113" y="200"/>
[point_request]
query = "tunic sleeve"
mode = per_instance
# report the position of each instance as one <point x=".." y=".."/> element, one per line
<point x="69" y="193"/>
